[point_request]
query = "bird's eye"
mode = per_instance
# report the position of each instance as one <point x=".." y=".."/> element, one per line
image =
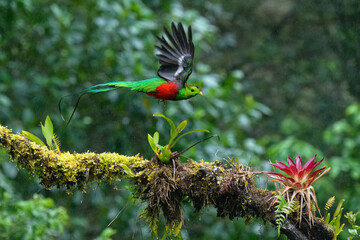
<point x="192" y="90"/>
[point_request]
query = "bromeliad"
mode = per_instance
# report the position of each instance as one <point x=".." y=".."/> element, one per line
<point x="297" y="183"/>
<point x="176" y="59"/>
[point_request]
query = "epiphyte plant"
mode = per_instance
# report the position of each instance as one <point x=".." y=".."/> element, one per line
<point x="47" y="129"/>
<point x="334" y="224"/>
<point x="163" y="153"/>
<point x="297" y="183"/>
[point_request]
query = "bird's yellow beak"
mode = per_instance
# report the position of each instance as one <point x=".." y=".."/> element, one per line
<point x="200" y="93"/>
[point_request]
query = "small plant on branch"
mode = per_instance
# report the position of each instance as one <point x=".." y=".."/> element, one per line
<point x="334" y="224"/>
<point x="297" y="183"/>
<point x="283" y="208"/>
<point x="355" y="229"/>
<point x="163" y="153"/>
<point x="52" y="140"/>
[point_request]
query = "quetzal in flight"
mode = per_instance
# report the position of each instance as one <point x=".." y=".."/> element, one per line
<point x="176" y="59"/>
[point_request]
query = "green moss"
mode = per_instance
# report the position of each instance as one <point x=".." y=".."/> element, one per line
<point x="66" y="169"/>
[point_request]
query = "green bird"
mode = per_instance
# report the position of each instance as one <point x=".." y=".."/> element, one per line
<point x="176" y="60"/>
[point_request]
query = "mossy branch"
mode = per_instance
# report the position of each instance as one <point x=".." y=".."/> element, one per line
<point x="69" y="170"/>
<point x="232" y="191"/>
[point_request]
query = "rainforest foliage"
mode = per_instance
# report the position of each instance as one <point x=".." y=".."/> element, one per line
<point x="279" y="78"/>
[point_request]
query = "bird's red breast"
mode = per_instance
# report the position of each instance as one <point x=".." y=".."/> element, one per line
<point x="166" y="91"/>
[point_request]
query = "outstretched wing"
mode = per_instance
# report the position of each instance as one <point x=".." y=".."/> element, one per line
<point x="176" y="56"/>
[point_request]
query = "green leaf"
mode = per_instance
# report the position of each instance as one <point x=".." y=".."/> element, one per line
<point x="32" y="137"/>
<point x="165" y="154"/>
<point x="106" y="234"/>
<point x="281" y="200"/>
<point x="338" y="209"/>
<point x="339" y="229"/>
<point x="160" y="153"/>
<point x="176" y="229"/>
<point x="351" y="218"/>
<point x="178" y="130"/>
<point x="193" y="131"/>
<point x="327" y="219"/>
<point x="48" y="131"/>
<point x="181" y="126"/>
<point x="131" y="189"/>
<point x="184" y="198"/>
<point x="156" y="138"/>
<point x="127" y="170"/>
<point x="352" y="231"/>
<point x="161" y="148"/>
<point x="164" y="237"/>
<point x="173" y="132"/>
<point x="152" y="143"/>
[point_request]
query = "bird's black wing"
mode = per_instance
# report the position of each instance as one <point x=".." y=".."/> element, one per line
<point x="176" y="54"/>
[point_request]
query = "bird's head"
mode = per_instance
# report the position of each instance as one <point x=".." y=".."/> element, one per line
<point x="188" y="91"/>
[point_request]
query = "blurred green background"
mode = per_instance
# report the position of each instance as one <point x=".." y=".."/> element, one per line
<point x="279" y="77"/>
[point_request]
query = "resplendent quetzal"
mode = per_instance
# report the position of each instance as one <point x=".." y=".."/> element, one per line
<point x="176" y="59"/>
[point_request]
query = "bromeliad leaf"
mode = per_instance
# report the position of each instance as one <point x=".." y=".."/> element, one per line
<point x="298" y="182"/>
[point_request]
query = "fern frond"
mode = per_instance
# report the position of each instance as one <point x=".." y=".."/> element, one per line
<point x="330" y="202"/>
<point x="283" y="208"/>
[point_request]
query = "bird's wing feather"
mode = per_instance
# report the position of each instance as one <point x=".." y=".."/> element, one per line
<point x="176" y="54"/>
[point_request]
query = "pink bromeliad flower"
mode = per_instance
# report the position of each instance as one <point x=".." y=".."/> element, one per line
<point x="297" y="183"/>
<point x="299" y="176"/>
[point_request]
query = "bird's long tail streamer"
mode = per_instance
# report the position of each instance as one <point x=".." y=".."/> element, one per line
<point x="93" y="89"/>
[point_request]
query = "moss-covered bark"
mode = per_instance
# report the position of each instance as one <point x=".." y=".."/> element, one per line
<point x="232" y="191"/>
<point x="69" y="170"/>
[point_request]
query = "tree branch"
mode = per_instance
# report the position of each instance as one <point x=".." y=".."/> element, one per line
<point x="232" y="191"/>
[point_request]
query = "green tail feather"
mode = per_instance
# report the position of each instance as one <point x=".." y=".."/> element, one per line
<point x="97" y="90"/>
<point x="104" y="87"/>
<point x="145" y="86"/>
